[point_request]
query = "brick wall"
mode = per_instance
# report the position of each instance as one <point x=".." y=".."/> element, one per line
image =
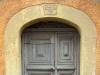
<point x="10" y="7"/>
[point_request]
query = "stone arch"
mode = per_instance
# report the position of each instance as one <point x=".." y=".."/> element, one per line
<point x="57" y="12"/>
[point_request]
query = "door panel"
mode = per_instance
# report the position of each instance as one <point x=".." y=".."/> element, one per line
<point x="39" y="53"/>
<point x="66" y="72"/>
<point x="65" y="48"/>
<point x="39" y="49"/>
<point x="40" y="73"/>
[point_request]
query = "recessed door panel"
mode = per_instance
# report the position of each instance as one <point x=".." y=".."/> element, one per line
<point x="40" y="73"/>
<point x="65" y="48"/>
<point x="66" y="72"/>
<point x="39" y="48"/>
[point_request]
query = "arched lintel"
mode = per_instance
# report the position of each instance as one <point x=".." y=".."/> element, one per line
<point x="60" y="13"/>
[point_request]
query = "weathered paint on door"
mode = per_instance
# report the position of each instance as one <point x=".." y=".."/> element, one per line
<point x="50" y="51"/>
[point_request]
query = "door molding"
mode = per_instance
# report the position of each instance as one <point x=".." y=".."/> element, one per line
<point x="61" y="13"/>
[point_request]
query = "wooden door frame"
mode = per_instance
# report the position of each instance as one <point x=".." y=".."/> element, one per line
<point x="61" y="13"/>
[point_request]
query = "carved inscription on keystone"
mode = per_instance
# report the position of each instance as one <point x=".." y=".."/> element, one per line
<point x="50" y="9"/>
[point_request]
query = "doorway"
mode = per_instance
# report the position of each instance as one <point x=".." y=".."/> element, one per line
<point x="50" y="48"/>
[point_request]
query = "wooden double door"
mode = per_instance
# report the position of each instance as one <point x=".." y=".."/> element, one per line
<point x="50" y="51"/>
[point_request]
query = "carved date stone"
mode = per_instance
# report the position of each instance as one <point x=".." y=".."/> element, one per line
<point x="50" y="9"/>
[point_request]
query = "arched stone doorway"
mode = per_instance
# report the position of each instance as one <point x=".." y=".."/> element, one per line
<point x="59" y="13"/>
